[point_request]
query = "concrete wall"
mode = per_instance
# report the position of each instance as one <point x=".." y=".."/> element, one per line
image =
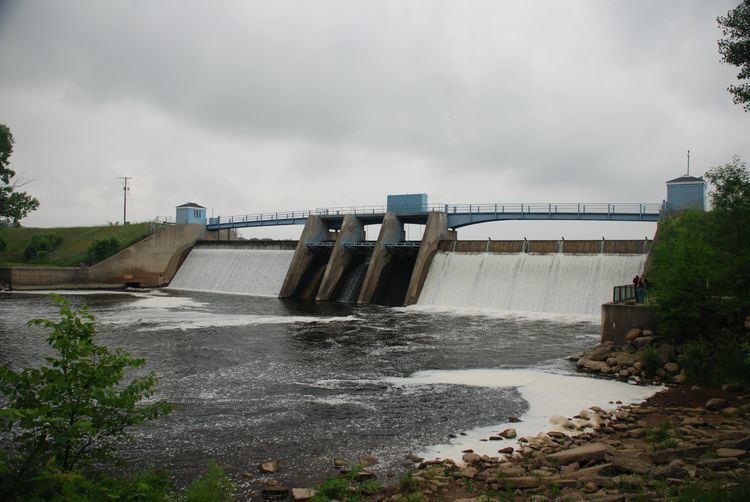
<point x="618" y="319"/>
<point x="147" y="263"/>
<point x="391" y="231"/>
<point x="249" y="244"/>
<point x="351" y="231"/>
<point x="435" y="231"/>
<point x="572" y="246"/>
<point x="306" y="269"/>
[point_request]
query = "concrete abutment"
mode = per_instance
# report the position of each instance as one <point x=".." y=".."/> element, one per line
<point x="307" y="267"/>
<point x="381" y="285"/>
<point x="352" y="231"/>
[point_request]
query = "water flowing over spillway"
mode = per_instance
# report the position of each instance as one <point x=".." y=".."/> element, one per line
<point x="551" y="283"/>
<point x="257" y="272"/>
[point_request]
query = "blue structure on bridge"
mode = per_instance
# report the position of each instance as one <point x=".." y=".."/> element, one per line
<point x="190" y="212"/>
<point x="459" y="215"/>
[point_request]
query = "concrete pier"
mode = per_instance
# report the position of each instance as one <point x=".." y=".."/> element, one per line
<point x="391" y="231"/>
<point x="351" y="231"/>
<point x="435" y="231"/>
<point x="306" y="269"/>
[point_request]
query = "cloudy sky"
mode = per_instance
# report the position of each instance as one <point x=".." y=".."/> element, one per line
<point x="261" y="106"/>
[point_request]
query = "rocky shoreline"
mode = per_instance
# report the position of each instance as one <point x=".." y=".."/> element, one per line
<point x="682" y="438"/>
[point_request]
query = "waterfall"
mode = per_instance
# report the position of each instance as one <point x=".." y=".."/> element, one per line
<point x="257" y="272"/>
<point x="553" y="283"/>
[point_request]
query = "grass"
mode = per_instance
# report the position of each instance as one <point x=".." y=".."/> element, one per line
<point x="75" y="242"/>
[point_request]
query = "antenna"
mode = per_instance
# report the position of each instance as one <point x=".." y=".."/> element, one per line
<point x="688" y="163"/>
<point x="125" y="189"/>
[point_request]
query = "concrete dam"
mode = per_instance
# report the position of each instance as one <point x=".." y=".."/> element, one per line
<point x="561" y="277"/>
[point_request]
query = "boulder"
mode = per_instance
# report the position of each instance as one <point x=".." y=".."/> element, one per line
<point x="506" y="451"/>
<point x="719" y="463"/>
<point x="730" y="453"/>
<point x="515" y="420"/>
<point x="679" y="378"/>
<point x="592" y="365"/>
<point x="368" y="461"/>
<point x="522" y="482"/>
<point x="471" y="458"/>
<point x="600" y="353"/>
<point x="675" y="469"/>
<point x="508" y="433"/>
<point x="630" y="461"/>
<point x="672" y="367"/>
<point x="642" y="341"/>
<point x="666" y="456"/>
<point x="715" y="404"/>
<point x="582" y="454"/>
<point x="633" y="334"/>
<point x="665" y="351"/>
<point x="624" y="359"/>
<point x="303" y="493"/>
<point x="269" y="466"/>
<point x="275" y="490"/>
<point x="648" y="332"/>
<point x="468" y="472"/>
<point x="339" y="462"/>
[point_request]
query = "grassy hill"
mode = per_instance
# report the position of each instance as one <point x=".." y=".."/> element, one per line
<point x="75" y="242"/>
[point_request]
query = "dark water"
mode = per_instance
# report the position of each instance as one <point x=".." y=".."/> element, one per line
<point x="257" y="378"/>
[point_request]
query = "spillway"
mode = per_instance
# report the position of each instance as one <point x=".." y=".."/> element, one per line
<point x="257" y="272"/>
<point x="556" y="283"/>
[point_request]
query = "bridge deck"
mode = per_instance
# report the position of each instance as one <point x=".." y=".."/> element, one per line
<point x="459" y="215"/>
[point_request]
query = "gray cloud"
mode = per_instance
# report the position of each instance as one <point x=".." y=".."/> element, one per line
<point x="263" y="105"/>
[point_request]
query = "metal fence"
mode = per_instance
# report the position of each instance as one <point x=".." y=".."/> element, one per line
<point x="624" y="293"/>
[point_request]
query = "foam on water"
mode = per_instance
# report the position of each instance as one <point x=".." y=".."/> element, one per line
<point x="256" y="272"/>
<point x="548" y="394"/>
<point x="518" y="284"/>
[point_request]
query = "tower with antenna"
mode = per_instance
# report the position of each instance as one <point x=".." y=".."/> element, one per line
<point x="686" y="192"/>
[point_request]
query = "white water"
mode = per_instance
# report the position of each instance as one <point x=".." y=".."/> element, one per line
<point x="551" y="283"/>
<point x="256" y="272"/>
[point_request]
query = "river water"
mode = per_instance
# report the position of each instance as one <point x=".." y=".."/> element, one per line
<point x="254" y="378"/>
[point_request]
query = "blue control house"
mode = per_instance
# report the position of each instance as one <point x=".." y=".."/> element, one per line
<point x="190" y="212"/>
<point x="686" y="192"/>
<point x="407" y="203"/>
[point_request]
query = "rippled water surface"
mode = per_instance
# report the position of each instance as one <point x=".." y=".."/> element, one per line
<point x="256" y="378"/>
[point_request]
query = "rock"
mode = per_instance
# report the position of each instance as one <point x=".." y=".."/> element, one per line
<point x="506" y="451"/>
<point x="730" y="453"/>
<point x="411" y="456"/>
<point x="275" y="490"/>
<point x="557" y="434"/>
<point x="303" y="493"/>
<point x="522" y="482"/>
<point x="570" y="468"/>
<point x="742" y="443"/>
<point x="339" y="462"/>
<point x="715" y="404"/>
<point x="589" y="472"/>
<point x="665" y="351"/>
<point x="247" y="475"/>
<point x="630" y="461"/>
<point x="557" y="419"/>
<point x="471" y="458"/>
<point x="509" y="470"/>
<point x="365" y="475"/>
<point x="672" y="367"/>
<point x="675" y="469"/>
<point x="468" y="472"/>
<point x="624" y="359"/>
<point x="633" y="334"/>
<point x="637" y="366"/>
<point x="269" y="466"/>
<point x="600" y="353"/>
<point x="693" y="421"/>
<point x="719" y="463"/>
<point x="514" y="420"/>
<point x="730" y="411"/>
<point x="592" y="365"/>
<point x="642" y="341"/>
<point x="368" y="461"/>
<point x="508" y="433"/>
<point x="585" y="453"/>
<point x="624" y="373"/>
<point x="611" y="361"/>
<point x="665" y="456"/>
<point x="679" y="378"/>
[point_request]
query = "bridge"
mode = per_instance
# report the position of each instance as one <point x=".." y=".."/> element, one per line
<point x="458" y="215"/>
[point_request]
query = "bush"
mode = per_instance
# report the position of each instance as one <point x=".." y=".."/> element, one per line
<point x="65" y="416"/>
<point x="717" y="360"/>
<point x="214" y="486"/>
<point x="40" y="246"/>
<point x="651" y="360"/>
<point x="102" y="249"/>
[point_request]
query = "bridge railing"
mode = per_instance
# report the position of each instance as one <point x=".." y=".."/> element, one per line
<point x="486" y="208"/>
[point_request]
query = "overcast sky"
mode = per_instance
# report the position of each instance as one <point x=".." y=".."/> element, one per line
<point x="261" y="106"/>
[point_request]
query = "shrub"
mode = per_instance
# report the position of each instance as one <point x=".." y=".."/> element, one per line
<point x="214" y="486"/>
<point x="717" y="360"/>
<point x="102" y="249"/>
<point x="40" y="246"/>
<point x="66" y="415"/>
<point x="651" y="360"/>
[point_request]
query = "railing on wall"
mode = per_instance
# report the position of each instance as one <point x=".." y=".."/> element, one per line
<point x="624" y="293"/>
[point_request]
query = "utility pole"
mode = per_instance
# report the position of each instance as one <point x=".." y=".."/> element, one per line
<point x="688" y="173"/>
<point x="125" y="189"/>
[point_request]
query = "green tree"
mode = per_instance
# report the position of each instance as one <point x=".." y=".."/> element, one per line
<point x="40" y="246"/>
<point x="67" y="414"/>
<point x="14" y="205"/>
<point x="101" y="249"/>
<point x="735" y="49"/>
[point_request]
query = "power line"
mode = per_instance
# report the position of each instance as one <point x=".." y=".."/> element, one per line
<point x="125" y="189"/>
